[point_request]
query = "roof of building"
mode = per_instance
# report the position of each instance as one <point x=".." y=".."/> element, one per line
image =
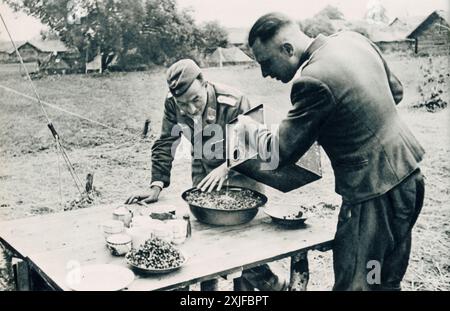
<point x="49" y="45"/>
<point x="387" y="34"/>
<point x="7" y="47"/>
<point x="435" y="14"/>
<point x="384" y="33"/>
<point x="409" y="22"/>
<point x="42" y="45"/>
<point x="232" y="55"/>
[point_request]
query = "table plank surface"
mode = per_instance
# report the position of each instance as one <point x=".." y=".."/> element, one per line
<point x="54" y="243"/>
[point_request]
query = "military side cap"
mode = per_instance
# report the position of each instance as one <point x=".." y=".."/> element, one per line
<point x="181" y="75"/>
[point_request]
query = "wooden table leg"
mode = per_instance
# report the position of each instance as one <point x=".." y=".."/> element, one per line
<point x="299" y="272"/>
<point x="21" y="274"/>
<point x="209" y="285"/>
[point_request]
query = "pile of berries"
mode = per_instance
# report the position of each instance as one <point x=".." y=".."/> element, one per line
<point x="224" y="199"/>
<point x="155" y="253"/>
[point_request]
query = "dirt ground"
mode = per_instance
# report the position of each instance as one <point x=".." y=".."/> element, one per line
<point x="34" y="180"/>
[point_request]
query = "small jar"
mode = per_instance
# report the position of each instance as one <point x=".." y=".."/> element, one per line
<point x="119" y="244"/>
<point x="163" y="232"/>
<point x="140" y="221"/>
<point x="178" y="231"/>
<point x="123" y="214"/>
<point x="112" y="227"/>
<point x="139" y="235"/>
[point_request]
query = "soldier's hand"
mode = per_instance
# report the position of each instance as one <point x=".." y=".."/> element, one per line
<point x="149" y="197"/>
<point x="216" y="177"/>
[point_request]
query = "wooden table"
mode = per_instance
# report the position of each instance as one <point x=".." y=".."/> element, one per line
<point x="47" y="246"/>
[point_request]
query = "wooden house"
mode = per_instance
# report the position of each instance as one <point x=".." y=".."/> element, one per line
<point x="432" y="35"/>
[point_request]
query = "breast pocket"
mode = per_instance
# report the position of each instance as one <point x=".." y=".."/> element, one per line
<point x="353" y="163"/>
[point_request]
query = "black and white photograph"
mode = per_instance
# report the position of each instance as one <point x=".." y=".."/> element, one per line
<point x="224" y="146"/>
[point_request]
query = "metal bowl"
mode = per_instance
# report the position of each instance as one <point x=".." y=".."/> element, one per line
<point x="145" y="270"/>
<point x="289" y="216"/>
<point x="223" y="217"/>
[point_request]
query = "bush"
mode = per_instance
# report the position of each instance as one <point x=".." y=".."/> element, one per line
<point x="432" y="87"/>
<point x="312" y="27"/>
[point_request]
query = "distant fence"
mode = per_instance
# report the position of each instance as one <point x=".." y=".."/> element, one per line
<point x="14" y="68"/>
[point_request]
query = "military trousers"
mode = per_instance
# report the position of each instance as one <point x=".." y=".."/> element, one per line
<point x="372" y="244"/>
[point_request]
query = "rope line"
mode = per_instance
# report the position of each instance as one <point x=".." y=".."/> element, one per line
<point x="53" y="106"/>
<point x="26" y="70"/>
<point x="49" y="123"/>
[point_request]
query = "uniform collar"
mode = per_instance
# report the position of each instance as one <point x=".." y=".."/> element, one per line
<point x="316" y="44"/>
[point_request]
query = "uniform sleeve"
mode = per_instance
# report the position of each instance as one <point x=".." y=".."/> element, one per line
<point x="394" y="83"/>
<point x="313" y="104"/>
<point x="162" y="156"/>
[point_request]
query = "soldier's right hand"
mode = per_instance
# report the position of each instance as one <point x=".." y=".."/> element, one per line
<point x="146" y="198"/>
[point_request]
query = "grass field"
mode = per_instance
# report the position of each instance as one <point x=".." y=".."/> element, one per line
<point x="30" y="182"/>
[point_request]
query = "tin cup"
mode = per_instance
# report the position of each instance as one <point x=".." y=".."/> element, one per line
<point x="119" y="244"/>
<point x="112" y="227"/>
<point x="123" y="214"/>
<point x="179" y="230"/>
<point x="139" y="235"/>
<point x="163" y="232"/>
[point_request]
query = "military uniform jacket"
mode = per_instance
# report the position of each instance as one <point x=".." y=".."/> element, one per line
<point x="223" y="105"/>
<point x="344" y="96"/>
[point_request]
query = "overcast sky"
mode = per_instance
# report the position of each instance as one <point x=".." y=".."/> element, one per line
<point x="242" y="13"/>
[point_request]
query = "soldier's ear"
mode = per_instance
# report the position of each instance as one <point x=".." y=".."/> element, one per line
<point x="287" y="49"/>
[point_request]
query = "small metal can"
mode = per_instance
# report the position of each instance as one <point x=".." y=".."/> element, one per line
<point x="119" y="244"/>
<point x="112" y="227"/>
<point x="123" y="214"/>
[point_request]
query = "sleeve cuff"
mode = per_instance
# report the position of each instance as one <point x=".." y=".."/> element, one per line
<point x="159" y="184"/>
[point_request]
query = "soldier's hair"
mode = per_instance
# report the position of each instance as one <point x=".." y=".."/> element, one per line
<point x="267" y="26"/>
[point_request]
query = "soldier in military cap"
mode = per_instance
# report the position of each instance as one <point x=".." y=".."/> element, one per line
<point x="196" y="108"/>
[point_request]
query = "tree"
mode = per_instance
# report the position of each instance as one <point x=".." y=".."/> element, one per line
<point x="154" y="30"/>
<point x="48" y="34"/>
<point x="168" y="34"/>
<point x="92" y="26"/>
<point x="315" y="26"/>
<point x="330" y="12"/>
<point x="376" y="13"/>
<point x="214" y="36"/>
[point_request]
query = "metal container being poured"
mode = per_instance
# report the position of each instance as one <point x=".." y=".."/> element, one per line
<point x="244" y="158"/>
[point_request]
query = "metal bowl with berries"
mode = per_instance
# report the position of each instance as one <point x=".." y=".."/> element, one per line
<point x="231" y="205"/>
<point x="155" y="256"/>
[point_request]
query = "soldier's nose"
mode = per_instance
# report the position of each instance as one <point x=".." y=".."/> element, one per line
<point x="191" y="109"/>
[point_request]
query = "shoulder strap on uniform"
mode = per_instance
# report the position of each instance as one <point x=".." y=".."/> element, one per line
<point x="227" y="100"/>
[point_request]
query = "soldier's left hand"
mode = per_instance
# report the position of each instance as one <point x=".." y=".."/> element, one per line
<point x="215" y="177"/>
